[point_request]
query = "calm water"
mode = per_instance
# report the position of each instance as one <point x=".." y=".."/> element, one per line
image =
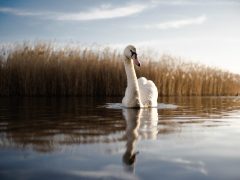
<point x="75" y="138"/>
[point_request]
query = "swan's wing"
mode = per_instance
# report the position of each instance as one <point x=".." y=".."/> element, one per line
<point x="148" y="92"/>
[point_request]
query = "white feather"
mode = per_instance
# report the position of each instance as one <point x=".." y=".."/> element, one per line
<point x="148" y="92"/>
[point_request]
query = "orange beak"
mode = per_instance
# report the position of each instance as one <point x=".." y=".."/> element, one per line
<point x="137" y="62"/>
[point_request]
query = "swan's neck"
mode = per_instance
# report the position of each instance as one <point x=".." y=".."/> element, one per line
<point x="132" y="82"/>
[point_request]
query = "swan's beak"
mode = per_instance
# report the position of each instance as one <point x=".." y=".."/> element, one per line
<point x="137" y="62"/>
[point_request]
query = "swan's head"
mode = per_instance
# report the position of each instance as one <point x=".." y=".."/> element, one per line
<point x="131" y="54"/>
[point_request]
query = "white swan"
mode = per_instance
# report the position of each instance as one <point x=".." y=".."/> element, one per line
<point x="139" y="92"/>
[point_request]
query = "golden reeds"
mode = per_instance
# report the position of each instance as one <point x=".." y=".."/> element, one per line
<point x="42" y="71"/>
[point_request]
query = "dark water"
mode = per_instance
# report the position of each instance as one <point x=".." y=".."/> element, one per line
<point x="76" y="138"/>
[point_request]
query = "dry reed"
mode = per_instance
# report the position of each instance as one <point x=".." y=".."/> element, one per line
<point x="42" y="71"/>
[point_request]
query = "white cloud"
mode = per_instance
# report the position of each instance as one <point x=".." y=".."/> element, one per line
<point x="177" y="23"/>
<point x="20" y="12"/>
<point x="196" y="3"/>
<point x="105" y="11"/>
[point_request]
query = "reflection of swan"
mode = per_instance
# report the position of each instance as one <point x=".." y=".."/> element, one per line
<point x="141" y="92"/>
<point x="138" y="121"/>
<point x="132" y="120"/>
<point x="148" y="128"/>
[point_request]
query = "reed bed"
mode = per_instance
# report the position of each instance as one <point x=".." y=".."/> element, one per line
<point x="41" y="70"/>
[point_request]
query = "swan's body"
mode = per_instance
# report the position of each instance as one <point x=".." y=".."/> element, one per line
<point x="139" y="92"/>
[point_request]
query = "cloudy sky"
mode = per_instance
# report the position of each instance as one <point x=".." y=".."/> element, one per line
<point x="206" y="31"/>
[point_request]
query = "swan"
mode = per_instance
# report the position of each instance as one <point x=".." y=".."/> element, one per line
<point x="140" y="93"/>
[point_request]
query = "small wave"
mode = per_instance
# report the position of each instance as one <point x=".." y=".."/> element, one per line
<point x="166" y="106"/>
<point x="114" y="106"/>
<point x="120" y="106"/>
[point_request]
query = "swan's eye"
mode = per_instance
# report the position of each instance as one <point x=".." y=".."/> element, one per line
<point x="133" y="53"/>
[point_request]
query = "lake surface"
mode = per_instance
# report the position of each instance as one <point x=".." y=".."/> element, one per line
<point x="90" y="138"/>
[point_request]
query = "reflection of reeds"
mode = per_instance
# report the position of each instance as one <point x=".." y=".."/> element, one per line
<point x="41" y="71"/>
<point x="45" y="124"/>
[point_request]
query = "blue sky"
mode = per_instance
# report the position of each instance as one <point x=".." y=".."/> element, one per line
<point x="206" y="31"/>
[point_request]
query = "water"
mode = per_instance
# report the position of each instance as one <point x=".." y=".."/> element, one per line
<point x="89" y="138"/>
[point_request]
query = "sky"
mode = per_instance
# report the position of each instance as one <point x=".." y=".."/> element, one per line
<point x="206" y="31"/>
